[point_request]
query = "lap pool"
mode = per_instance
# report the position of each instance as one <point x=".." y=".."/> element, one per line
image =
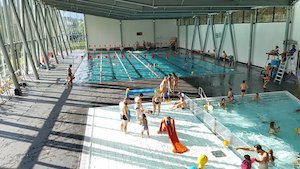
<point x="125" y="66"/>
<point x="249" y="121"/>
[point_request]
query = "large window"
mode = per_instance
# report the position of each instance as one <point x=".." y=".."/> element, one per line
<point x="237" y="17"/>
<point x="203" y="19"/>
<point x="265" y="15"/>
<point x="280" y="14"/>
<point x="218" y="19"/>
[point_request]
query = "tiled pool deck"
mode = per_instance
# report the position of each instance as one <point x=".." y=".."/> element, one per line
<point x="105" y="146"/>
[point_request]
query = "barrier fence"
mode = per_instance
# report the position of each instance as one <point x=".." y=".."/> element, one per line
<point x="218" y="129"/>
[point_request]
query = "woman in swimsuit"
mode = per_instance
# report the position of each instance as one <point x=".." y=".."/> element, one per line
<point x="156" y="102"/>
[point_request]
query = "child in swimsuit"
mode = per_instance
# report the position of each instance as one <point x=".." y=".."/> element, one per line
<point x="144" y="124"/>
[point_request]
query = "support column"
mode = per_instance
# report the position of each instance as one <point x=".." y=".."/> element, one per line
<point x="186" y="37"/>
<point x="54" y="15"/>
<point x="207" y="33"/>
<point x="30" y="36"/>
<point x="177" y="43"/>
<point x="121" y="32"/>
<point x="193" y="38"/>
<point x="67" y="34"/>
<point x="55" y="33"/>
<point x="199" y="35"/>
<point x="13" y="9"/>
<point x="251" y="40"/>
<point x="213" y="31"/>
<point x="9" y="66"/>
<point x="232" y="37"/>
<point x="22" y="20"/>
<point x="8" y="26"/>
<point x="222" y="37"/>
<point x="154" y="32"/>
<point x="39" y="14"/>
<point x="287" y="28"/>
<point x="85" y="32"/>
<point x="29" y="13"/>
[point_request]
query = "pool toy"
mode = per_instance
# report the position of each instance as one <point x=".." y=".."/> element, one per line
<point x="297" y="130"/>
<point x="137" y="91"/>
<point x="208" y="108"/>
<point x="178" y="147"/>
<point x="226" y="143"/>
<point x="202" y="160"/>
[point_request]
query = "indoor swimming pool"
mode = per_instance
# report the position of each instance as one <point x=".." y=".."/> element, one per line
<point x="125" y="66"/>
<point x="249" y="121"/>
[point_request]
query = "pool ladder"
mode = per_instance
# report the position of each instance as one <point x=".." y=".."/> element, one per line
<point x="201" y="93"/>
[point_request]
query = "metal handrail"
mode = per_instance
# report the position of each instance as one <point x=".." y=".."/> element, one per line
<point x="201" y="93"/>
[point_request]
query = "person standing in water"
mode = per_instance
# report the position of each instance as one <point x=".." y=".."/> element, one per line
<point x="263" y="159"/>
<point x="243" y="88"/>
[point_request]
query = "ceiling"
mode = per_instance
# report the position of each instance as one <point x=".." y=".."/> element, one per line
<point x="159" y="9"/>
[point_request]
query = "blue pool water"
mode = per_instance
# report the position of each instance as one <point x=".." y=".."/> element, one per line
<point x="124" y="66"/>
<point x="249" y="120"/>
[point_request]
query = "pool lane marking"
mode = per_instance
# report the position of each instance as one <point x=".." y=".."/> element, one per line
<point x="101" y="63"/>
<point x="123" y="66"/>
<point x="185" y="70"/>
<point x="112" y="67"/>
<point x="134" y="67"/>
<point x="155" y="67"/>
<point x="146" y="66"/>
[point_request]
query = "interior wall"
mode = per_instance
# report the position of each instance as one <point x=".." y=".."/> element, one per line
<point x="267" y="36"/>
<point x="102" y="32"/>
<point x="165" y="29"/>
<point x="105" y="32"/>
<point x="295" y="35"/>
<point x="131" y="27"/>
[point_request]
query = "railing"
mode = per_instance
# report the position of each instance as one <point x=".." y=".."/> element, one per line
<point x="222" y="132"/>
<point x="201" y="93"/>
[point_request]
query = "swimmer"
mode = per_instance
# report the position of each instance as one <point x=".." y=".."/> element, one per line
<point x="175" y="82"/>
<point x="222" y="103"/>
<point x="180" y="103"/>
<point x="297" y="161"/>
<point x="138" y="106"/>
<point x="243" y="88"/>
<point x="230" y="95"/>
<point x="273" y="129"/>
<point x="169" y="84"/>
<point x="156" y="102"/>
<point x="208" y="107"/>
<point x="297" y="130"/>
<point x="163" y="87"/>
<point x="256" y="97"/>
<point x="263" y="159"/>
<point x="247" y="162"/>
<point x="271" y="156"/>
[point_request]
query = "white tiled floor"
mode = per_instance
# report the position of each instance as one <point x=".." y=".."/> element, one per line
<point x="107" y="147"/>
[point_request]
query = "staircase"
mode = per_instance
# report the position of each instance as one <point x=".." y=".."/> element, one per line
<point x="281" y="70"/>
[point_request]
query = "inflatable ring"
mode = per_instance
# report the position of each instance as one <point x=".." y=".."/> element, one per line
<point x="210" y="107"/>
<point x="205" y="107"/>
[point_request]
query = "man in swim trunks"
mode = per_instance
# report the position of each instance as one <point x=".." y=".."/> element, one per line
<point x="230" y="95"/>
<point x="243" y="88"/>
<point x="263" y="159"/>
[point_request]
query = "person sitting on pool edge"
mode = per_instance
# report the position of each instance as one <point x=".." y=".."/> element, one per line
<point x="273" y="129"/>
<point x="180" y="103"/>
